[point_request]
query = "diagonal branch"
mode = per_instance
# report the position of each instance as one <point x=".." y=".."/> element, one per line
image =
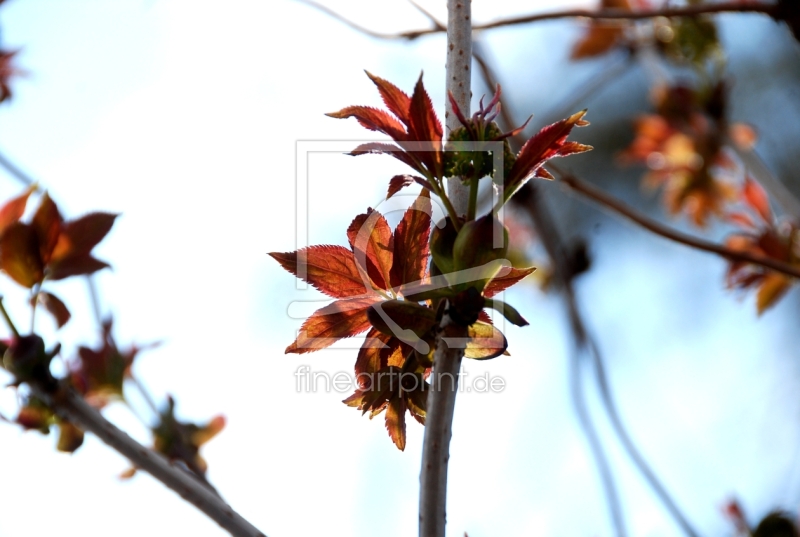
<point x="71" y="406"/>
<point x="593" y="14"/>
<point x="603" y="199"/>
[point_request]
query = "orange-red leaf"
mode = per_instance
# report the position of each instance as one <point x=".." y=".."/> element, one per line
<point x="13" y="210"/>
<point x="47" y="223"/>
<point x="772" y="288"/>
<point x="331" y="269"/>
<point x="341" y="319"/>
<point x="19" y="254"/>
<point x="399" y="317"/>
<point x="74" y="266"/>
<point x="55" y="307"/>
<point x="374" y="120"/>
<point x="78" y="237"/>
<point x="399" y="182"/>
<point x="547" y="143"/>
<point x="424" y="126"/>
<point x="377" y="148"/>
<point x="371" y="240"/>
<point x="396" y="100"/>
<point x="501" y="283"/>
<point x="598" y="39"/>
<point x="372" y="356"/>
<point x="411" y="242"/>
<point x="396" y="422"/>
<point x="757" y="198"/>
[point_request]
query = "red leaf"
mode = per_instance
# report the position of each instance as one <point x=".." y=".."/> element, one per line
<point x="78" y="237"/>
<point x="396" y="100"/>
<point x="756" y="197"/>
<point x="47" y="223"/>
<point x="598" y="39"/>
<point x="411" y="248"/>
<point x="55" y="307"/>
<point x="19" y="255"/>
<point x="424" y="126"/>
<point x="378" y="148"/>
<point x="399" y="182"/>
<point x="373" y="355"/>
<point x="374" y="120"/>
<point x="341" y="319"/>
<point x="501" y="283"/>
<point x="74" y="266"/>
<point x="330" y="269"/>
<point x="547" y="143"/>
<point x="396" y="422"/>
<point x="407" y="316"/>
<point x="372" y="243"/>
<point x="14" y="209"/>
<point x="771" y="290"/>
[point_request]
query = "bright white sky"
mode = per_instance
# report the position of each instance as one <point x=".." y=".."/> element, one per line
<point x="183" y="116"/>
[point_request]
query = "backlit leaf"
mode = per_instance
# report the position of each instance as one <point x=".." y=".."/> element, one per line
<point x="78" y="237"/>
<point x="19" y="255"/>
<point x="508" y="312"/>
<point x="373" y="119"/>
<point x="47" y="223"/>
<point x="757" y="198"/>
<point x="398" y="317"/>
<point x="771" y="290"/>
<point x="396" y="422"/>
<point x="547" y="143"/>
<point x="485" y="342"/>
<point x="55" y="307"/>
<point x="330" y="269"/>
<point x="13" y="210"/>
<point x="509" y="277"/>
<point x="74" y="266"/>
<point x="371" y="240"/>
<point x="396" y="100"/>
<point x="411" y="248"/>
<point x="341" y="319"/>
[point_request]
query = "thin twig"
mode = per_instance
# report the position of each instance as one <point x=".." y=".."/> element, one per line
<point x="15" y="172"/>
<point x="596" y="14"/>
<point x="69" y="405"/>
<point x="529" y="199"/>
<point x="447" y="361"/>
<point x="628" y="444"/>
<point x="648" y="223"/>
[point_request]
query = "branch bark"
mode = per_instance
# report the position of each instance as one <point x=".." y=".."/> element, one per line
<point x="71" y="406"/>
<point x="598" y="14"/>
<point x="603" y="199"/>
<point x="447" y="361"/>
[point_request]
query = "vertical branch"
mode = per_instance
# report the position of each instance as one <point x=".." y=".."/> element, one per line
<point x="459" y="70"/>
<point x="447" y="361"/>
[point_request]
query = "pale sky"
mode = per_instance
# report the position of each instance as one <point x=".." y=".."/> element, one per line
<point x="184" y="117"/>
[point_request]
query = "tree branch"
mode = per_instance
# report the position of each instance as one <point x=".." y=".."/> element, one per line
<point x="648" y="223"/>
<point x="597" y="14"/>
<point x="71" y="406"/>
<point x="447" y="361"/>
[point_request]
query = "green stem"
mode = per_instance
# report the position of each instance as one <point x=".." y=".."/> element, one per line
<point x="9" y="322"/>
<point x="473" y="198"/>
<point x="440" y="191"/>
